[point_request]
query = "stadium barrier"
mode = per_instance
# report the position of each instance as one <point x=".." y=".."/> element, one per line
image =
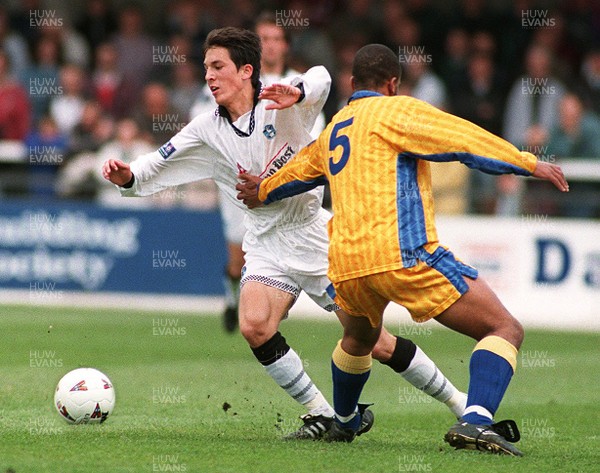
<point x="546" y="271"/>
<point x="47" y="249"/>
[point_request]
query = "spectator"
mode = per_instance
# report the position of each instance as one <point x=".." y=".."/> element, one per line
<point x="155" y="117"/>
<point x="192" y="21"/>
<point x="47" y="147"/>
<point x="126" y="146"/>
<point x="14" y="45"/>
<point x="454" y="62"/>
<point x="480" y="100"/>
<point x="66" y="109"/>
<point x="532" y="103"/>
<point x="422" y="83"/>
<point x="98" y="22"/>
<point x="115" y="93"/>
<point x="531" y="111"/>
<point x="577" y="133"/>
<point x="92" y="131"/>
<point x="41" y="78"/>
<point x="186" y="87"/>
<point x="14" y="105"/>
<point x="133" y="45"/>
<point x="590" y="79"/>
<point x="73" y="46"/>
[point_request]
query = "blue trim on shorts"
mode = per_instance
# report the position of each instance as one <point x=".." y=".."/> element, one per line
<point x="443" y="260"/>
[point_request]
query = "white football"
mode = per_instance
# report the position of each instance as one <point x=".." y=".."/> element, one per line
<point x="84" y="396"/>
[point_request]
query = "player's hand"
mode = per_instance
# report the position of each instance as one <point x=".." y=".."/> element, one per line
<point x="248" y="190"/>
<point x="553" y="173"/>
<point x="283" y="96"/>
<point x="117" y="172"/>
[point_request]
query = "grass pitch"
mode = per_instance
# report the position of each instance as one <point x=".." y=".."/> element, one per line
<point x="192" y="398"/>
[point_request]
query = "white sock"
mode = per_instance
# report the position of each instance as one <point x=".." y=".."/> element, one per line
<point x="423" y="374"/>
<point x="288" y="372"/>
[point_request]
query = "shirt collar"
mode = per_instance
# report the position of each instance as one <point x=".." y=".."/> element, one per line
<point x="361" y="94"/>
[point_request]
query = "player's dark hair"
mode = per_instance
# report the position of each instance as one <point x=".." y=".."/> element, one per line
<point x="243" y="46"/>
<point x="374" y="64"/>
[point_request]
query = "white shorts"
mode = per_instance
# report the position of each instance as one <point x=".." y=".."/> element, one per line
<point x="292" y="259"/>
<point x="233" y="220"/>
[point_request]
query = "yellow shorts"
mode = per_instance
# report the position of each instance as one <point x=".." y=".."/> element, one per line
<point x="426" y="289"/>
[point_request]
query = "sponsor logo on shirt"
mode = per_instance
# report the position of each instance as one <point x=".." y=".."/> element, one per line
<point x="269" y="131"/>
<point x="278" y="163"/>
<point x="167" y="150"/>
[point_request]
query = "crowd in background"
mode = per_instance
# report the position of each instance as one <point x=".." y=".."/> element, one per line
<point x="112" y="82"/>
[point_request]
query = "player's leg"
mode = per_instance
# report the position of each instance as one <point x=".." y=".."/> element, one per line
<point x="262" y="307"/>
<point x="480" y="315"/>
<point x="233" y="272"/>
<point x="350" y="369"/>
<point x="407" y="359"/>
<point x="234" y="230"/>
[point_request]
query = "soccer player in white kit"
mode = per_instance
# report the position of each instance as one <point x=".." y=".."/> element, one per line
<point x="275" y="43"/>
<point x="286" y="243"/>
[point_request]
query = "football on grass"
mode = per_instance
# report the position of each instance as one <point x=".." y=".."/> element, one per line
<point x="84" y="396"/>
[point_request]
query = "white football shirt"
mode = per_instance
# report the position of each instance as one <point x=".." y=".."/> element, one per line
<point x="209" y="148"/>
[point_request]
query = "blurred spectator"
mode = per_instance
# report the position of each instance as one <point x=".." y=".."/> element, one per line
<point x="532" y="104"/>
<point x="66" y="109"/>
<point x="47" y="147"/>
<point x="126" y="146"/>
<point x="41" y="78"/>
<point x="590" y="79"/>
<point x="193" y="21"/>
<point x="20" y="19"/>
<point x="73" y="46"/>
<point x="480" y="100"/>
<point x="97" y="23"/>
<point x="453" y="66"/>
<point x="421" y="82"/>
<point x="134" y="47"/>
<point x="358" y="16"/>
<point x="155" y="117"/>
<point x="186" y="87"/>
<point x="577" y="134"/>
<point x="14" y="105"/>
<point x="92" y="131"/>
<point x="531" y="111"/>
<point x="343" y="86"/>
<point x="14" y="45"/>
<point x="115" y="93"/>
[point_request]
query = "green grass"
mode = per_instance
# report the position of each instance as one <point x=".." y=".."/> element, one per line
<point x="171" y="391"/>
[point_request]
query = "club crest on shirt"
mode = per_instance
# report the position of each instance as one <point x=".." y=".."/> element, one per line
<point x="269" y="131"/>
<point x="167" y="150"/>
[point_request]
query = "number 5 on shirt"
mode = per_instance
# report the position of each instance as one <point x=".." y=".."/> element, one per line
<point x="335" y="140"/>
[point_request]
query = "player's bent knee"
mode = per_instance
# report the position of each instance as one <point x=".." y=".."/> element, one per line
<point x="256" y="331"/>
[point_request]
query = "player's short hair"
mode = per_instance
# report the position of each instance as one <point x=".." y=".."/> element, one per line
<point x="243" y="46"/>
<point x="373" y="65"/>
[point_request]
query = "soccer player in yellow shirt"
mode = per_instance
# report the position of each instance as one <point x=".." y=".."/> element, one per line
<point x="376" y="154"/>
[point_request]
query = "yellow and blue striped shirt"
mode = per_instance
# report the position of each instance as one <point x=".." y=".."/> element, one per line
<point x="375" y="154"/>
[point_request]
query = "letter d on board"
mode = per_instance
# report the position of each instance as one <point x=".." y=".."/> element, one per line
<point x="553" y="261"/>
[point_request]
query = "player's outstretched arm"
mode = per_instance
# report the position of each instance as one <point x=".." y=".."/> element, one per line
<point x="117" y="172"/>
<point x="248" y="190"/>
<point x="553" y="173"/>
